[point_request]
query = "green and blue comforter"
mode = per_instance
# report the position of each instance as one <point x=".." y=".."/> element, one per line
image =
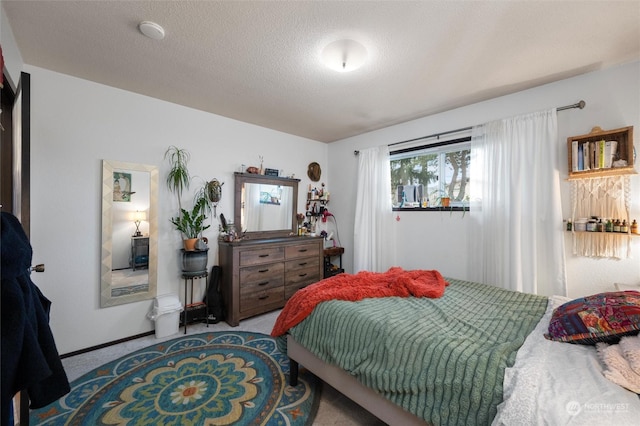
<point x="440" y="359"/>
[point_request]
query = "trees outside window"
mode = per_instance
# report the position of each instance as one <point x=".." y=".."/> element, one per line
<point x="421" y="178"/>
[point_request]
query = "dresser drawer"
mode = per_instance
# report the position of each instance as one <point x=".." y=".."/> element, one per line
<point x="300" y="279"/>
<point x="302" y="263"/>
<point x="265" y="255"/>
<point x="305" y="276"/>
<point x="262" y="274"/>
<point x="302" y="250"/>
<point x="262" y="298"/>
<point x="267" y="283"/>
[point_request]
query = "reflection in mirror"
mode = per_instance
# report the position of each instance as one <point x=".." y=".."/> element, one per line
<point x="265" y="206"/>
<point x="129" y="233"/>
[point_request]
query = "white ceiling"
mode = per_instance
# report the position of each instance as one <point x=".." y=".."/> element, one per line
<point x="258" y="61"/>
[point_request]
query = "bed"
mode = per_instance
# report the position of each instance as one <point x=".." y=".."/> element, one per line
<point x="475" y="355"/>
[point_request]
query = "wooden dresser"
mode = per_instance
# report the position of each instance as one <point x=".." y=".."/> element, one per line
<point x="261" y="275"/>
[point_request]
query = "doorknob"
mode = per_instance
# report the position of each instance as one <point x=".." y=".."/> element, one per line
<point x="38" y="268"/>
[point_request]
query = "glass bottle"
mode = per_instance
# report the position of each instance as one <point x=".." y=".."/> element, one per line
<point x="609" y="226"/>
<point x="624" y="228"/>
<point x="634" y="227"/>
<point x="616" y="225"/>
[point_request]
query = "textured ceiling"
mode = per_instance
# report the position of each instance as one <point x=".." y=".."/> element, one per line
<point x="258" y="62"/>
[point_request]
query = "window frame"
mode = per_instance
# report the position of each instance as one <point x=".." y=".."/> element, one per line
<point x="441" y="148"/>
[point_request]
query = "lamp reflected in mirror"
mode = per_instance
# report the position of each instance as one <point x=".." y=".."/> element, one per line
<point x="138" y="217"/>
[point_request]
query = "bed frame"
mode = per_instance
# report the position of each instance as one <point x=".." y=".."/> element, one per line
<point x="348" y="385"/>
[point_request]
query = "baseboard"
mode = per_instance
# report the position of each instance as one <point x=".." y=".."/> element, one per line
<point x="104" y="345"/>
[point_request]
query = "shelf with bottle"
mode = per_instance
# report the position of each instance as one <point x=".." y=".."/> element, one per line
<point x="317" y="200"/>
<point x="318" y="194"/>
<point x="603" y="226"/>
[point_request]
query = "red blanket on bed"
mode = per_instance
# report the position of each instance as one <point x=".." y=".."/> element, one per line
<point x="352" y="287"/>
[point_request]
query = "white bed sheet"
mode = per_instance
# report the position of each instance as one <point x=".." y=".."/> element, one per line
<point x="556" y="383"/>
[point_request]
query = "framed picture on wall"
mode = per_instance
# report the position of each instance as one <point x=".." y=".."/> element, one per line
<point x="122" y="187"/>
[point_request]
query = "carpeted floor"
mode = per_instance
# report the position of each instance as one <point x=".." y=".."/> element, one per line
<point x="334" y="409"/>
<point x="221" y="378"/>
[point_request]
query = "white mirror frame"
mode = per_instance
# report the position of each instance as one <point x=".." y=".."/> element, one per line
<point x="106" y="298"/>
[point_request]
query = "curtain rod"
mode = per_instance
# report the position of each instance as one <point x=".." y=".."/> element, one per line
<point x="580" y="105"/>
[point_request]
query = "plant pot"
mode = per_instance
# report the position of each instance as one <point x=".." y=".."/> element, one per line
<point x="445" y="201"/>
<point x="194" y="260"/>
<point x="189" y="244"/>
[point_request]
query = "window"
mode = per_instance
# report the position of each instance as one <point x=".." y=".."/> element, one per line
<point x="422" y="177"/>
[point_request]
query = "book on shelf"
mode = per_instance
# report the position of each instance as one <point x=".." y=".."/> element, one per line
<point x="587" y="157"/>
<point x="610" y="151"/>
<point x="601" y="161"/>
<point x="593" y="155"/>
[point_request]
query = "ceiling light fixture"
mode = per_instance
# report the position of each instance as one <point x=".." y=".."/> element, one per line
<point x="151" y="30"/>
<point x="344" y="55"/>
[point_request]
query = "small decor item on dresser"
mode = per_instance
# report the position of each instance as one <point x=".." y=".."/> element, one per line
<point x="271" y="172"/>
<point x="253" y="170"/>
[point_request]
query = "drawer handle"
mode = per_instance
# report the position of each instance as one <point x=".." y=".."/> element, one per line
<point x="302" y="275"/>
<point x="263" y="297"/>
<point x="263" y="270"/>
<point x="264" y="283"/>
<point x="263" y="255"/>
<point x="302" y="250"/>
<point x="302" y="264"/>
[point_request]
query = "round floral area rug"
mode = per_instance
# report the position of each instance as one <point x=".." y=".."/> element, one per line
<point x="224" y="378"/>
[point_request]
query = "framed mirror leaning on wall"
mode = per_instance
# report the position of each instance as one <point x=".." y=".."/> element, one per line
<point x="129" y="233"/>
<point x="265" y="206"/>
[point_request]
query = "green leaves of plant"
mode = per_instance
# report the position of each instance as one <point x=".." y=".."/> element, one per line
<point x="191" y="224"/>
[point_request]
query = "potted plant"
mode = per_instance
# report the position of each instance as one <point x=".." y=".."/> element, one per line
<point x="442" y="198"/>
<point x="178" y="178"/>
<point x="190" y="223"/>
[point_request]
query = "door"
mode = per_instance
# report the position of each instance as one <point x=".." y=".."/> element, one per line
<point x="15" y="166"/>
<point x="16" y="148"/>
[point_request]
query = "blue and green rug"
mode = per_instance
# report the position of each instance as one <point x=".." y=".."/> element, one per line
<point x="223" y="378"/>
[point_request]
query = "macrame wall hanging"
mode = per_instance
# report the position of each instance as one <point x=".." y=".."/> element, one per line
<point x="606" y="198"/>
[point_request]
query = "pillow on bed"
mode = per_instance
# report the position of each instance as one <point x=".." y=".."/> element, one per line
<point x="603" y="317"/>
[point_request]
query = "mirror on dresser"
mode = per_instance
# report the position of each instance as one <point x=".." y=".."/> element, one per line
<point x="265" y="206"/>
<point x="129" y="233"/>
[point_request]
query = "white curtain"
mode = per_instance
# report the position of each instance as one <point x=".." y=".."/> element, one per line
<point x="517" y="240"/>
<point x="374" y="242"/>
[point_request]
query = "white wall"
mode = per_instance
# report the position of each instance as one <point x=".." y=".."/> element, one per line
<point x="439" y="240"/>
<point x="12" y="57"/>
<point x="74" y="125"/>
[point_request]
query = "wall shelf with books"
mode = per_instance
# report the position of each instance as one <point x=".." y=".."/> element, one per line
<point x="601" y="153"/>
